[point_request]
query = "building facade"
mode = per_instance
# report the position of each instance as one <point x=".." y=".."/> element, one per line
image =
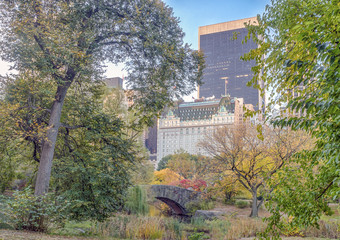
<point x="225" y="73"/>
<point x="186" y="124"/>
<point x="115" y="82"/>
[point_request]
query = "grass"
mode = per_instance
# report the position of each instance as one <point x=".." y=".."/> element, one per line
<point x="73" y="228"/>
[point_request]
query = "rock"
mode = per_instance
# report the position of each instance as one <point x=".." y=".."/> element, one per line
<point x="207" y="214"/>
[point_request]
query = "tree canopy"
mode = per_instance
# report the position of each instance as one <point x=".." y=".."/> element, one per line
<point x="250" y="160"/>
<point x="301" y="70"/>
<point x="66" y="43"/>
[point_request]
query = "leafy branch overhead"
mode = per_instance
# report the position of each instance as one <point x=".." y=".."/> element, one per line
<point x="301" y="70"/>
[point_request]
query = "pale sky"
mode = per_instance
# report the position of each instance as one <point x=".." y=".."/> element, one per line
<point x="192" y="14"/>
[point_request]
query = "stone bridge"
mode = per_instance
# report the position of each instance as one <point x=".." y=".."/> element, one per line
<point x="175" y="197"/>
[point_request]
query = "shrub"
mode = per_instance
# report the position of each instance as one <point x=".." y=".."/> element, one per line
<point x="198" y="236"/>
<point x="34" y="213"/>
<point x="3" y="204"/>
<point x="3" y="215"/>
<point x="241" y="204"/>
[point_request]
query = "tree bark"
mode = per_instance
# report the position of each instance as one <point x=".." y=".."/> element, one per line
<point x="45" y="166"/>
<point x="254" y="208"/>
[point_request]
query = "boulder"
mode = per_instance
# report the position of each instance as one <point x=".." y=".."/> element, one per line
<point x="207" y="214"/>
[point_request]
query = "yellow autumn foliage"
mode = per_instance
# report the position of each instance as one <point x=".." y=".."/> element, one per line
<point x="166" y="176"/>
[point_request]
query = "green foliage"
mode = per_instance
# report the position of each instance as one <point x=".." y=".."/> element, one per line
<point x="7" y="169"/>
<point x="136" y="201"/>
<point x="198" y="236"/>
<point x="163" y="162"/>
<point x="187" y="165"/>
<point x="26" y="211"/>
<point x="3" y="208"/>
<point x="94" y="152"/>
<point x="142" y="172"/>
<point x="73" y="228"/>
<point x="241" y="204"/>
<point x="301" y="71"/>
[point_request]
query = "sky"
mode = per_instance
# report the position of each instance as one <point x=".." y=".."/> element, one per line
<point x="193" y="14"/>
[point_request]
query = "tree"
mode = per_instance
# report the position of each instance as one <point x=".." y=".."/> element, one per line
<point x="189" y="166"/>
<point x="94" y="153"/>
<point x="182" y="163"/>
<point x="164" y="162"/>
<point x="66" y="42"/>
<point x="300" y="40"/>
<point x="252" y="159"/>
<point x="166" y="176"/>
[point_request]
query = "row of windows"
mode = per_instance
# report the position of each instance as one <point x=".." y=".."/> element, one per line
<point x="198" y="109"/>
<point x="199" y="129"/>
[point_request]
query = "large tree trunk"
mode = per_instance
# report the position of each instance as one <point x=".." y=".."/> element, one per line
<point x="254" y="208"/>
<point x="45" y="166"/>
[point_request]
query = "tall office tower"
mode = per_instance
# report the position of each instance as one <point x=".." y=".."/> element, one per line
<point x="225" y="73"/>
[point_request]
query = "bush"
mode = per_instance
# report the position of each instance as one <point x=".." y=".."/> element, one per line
<point x="34" y="213"/>
<point x="241" y="204"/>
<point x="198" y="236"/>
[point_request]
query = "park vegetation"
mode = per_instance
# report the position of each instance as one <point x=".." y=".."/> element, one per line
<point x="72" y="160"/>
<point x="300" y="40"/>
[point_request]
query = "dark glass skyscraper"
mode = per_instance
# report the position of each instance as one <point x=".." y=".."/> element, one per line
<point x="225" y="73"/>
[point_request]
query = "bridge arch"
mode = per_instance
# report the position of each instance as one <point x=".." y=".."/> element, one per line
<point x="175" y="197"/>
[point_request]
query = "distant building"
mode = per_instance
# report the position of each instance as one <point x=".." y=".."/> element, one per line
<point x="115" y="82"/>
<point x="225" y="73"/>
<point x="184" y="125"/>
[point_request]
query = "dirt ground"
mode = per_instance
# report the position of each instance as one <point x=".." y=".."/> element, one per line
<point x="26" y="235"/>
<point x="233" y="211"/>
